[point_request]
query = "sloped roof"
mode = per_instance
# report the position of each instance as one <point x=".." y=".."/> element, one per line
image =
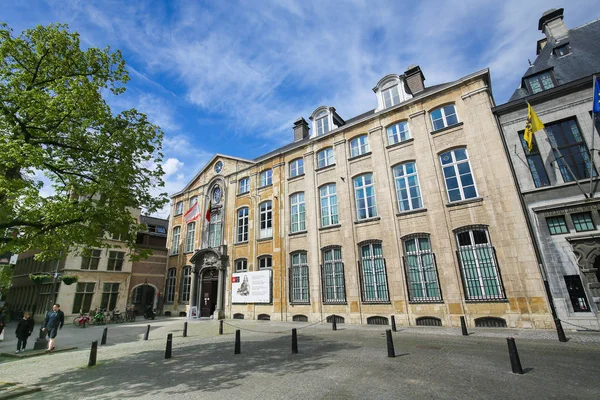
<point x="584" y="43"/>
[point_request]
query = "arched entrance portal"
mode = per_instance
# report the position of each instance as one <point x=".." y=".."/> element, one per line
<point x="142" y="297"/>
<point x="208" y="293"/>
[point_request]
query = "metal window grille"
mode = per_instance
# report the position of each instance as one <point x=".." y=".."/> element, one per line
<point x="338" y="319"/>
<point x="364" y="191"/>
<point x="373" y="274"/>
<point x="300" y="318"/>
<point x="332" y="275"/>
<point x="377" y="320"/>
<point x="583" y="221"/>
<point x="490" y="322"/>
<point x="299" y="279"/>
<point x="242" y="233"/>
<point x="263" y="317"/>
<point x="421" y="272"/>
<point x="408" y="192"/>
<point x="479" y="267"/>
<point x="557" y="225"/>
<point x="298" y="214"/>
<point x="329" y="208"/>
<point x="238" y="316"/>
<point x="429" y="321"/>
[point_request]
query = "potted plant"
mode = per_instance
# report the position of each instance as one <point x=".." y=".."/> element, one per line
<point x="69" y="279"/>
<point x="38" y="278"/>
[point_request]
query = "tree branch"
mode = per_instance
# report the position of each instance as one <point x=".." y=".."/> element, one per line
<point x="37" y="69"/>
<point x="60" y="171"/>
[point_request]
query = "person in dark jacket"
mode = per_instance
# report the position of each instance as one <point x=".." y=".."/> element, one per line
<point x="24" y="329"/>
<point x="54" y="321"/>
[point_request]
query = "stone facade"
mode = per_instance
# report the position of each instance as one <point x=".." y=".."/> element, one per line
<point x="299" y="283"/>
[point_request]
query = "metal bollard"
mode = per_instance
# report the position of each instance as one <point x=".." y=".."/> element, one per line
<point x="220" y="327"/>
<point x="334" y="322"/>
<point x="393" y="323"/>
<point x="390" y="343"/>
<point x="169" y="346"/>
<point x="463" y="326"/>
<point x="237" y="342"/>
<point x="560" y="331"/>
<point x="104" y="334"/>
<point x="185" y="329"/>
<point x="515" y="362"/>
<point x="294" y="342"/>
<point x="93" y="352"/>
<point x="147" y="333"/>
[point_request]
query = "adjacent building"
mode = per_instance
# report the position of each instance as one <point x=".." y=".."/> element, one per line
<point x="408" y="210"/>
<point x="558" y="178"/>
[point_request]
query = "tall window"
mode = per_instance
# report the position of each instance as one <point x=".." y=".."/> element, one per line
<point x="398" y="133"/>
<point x="540" y="82"/>
<point x="244" y="185"/>
<point x="170" y="285"/>
<point x="567" y="141"/>
<point x="241" y="265"/>
<point x="91" y="259"/>
<point x="189" y="237"/>
<point x="265" y="262"/>
<point x="457" y="174"/>
<point x="325" y="157"/>
<point x="266" y="219"/>
<point x="214" y="229"/>
<point x="322" y="124"/>
<point x="577" y="293"/>
<point x="186" y="281"/>
<point x="332" y="272"/>
<point x="359" y="146"/>
<point x="299" y="279"/>
<point x="296" y="167"/>
<point x="110" y="294"/>
<point x="84" y="292"/>
<point x="298" y="214"/>
<point x="364" y="191"/>
<point x="242" y="224"/>
<point x="373" y="273"/>
<point x="193" y="200"/>
<point x="391" y="96"/>
<point x="266" y="178"/>
<point x="175" y="240"/>
<point x="443" y="117"/>
<point x="535" y="162"/>
<point x="408" y="192"/>
<point x="179" y="208"/>
<point x="329" y="207"/>
<point x="480" y="272"/>
<point x="115" y="260"/>
<point x="419" y="263"/>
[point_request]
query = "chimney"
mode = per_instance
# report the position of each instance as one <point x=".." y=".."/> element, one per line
<point x="415" y="80"/>
<point x="300" y="129"/>
<point x="553" y="26"/>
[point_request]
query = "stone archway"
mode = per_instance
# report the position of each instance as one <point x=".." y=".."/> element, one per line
<point x="587" y="251"/>
<point x="207" y="291"/>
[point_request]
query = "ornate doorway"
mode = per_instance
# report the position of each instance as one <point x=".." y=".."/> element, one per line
<point x="208" y="292"/>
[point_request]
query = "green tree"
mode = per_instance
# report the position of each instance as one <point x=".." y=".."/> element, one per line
<point x="54" y="121"/>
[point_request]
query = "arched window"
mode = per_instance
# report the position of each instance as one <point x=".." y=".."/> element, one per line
<point x="242" y="225"/>
<point x="214" y="228"/>
<point x="460" y="184"/>
<point x="444" y="117"/>
<point x="408" y="191"/>
<point x="398" y="133"/>
<point x="296" y="167"/>
<point x="373" y="273"/>
<point x="265" y="262"/>
<point x="241" y="265"/>
<point x="189" y="237"/>
<point x="266" y="219"/>
<point x="325" y="157"/>
<point x="332" y="274"/>
<point x="359" y="146"/>
<point x="299" y="279"/>
<point x="420" y="268"/>
<point x="329" y="206"/>
<point x="186" y="281"/>
<point x="297" y="212"/>
<point x="364" y="192"/>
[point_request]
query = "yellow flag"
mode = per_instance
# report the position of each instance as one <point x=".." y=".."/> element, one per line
<point x="533" y="125"/>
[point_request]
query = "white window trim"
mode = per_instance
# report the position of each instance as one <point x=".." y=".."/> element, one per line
<point x="454" y="164"/>
<point x="328" y="197"/>
<point x="319" y="114"/>
<point x="268" y="178"/>
<point x="405" y="178"/>
<point x="244" y="219"/>
<point x="267" y="214"/>
<point x="263" y="259"/>
<point x="175" y="243"/>
<point x="297" y="208"/>
<point x="418" y="253"/>
<point x="247" y="186"/>
<point x="361" y="148"/>
<point x="397" y="133"/>
<point x="387" y="82"/>
<point x="296" y="167"/>
<point x="190" y="237"/>
<point x="363" y="188"/>
<point x="444" y="117"/>
<point x="327" y="157"/>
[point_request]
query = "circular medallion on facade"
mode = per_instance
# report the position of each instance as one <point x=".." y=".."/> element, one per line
<point x="217" y="194"/>
<point x="218" y="167"/>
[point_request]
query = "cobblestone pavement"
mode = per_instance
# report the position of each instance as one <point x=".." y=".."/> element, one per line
<point x="351" y="363"/>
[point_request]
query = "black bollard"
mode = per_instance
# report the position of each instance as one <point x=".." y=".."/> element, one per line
<point x="169" y="346"/>
<point x="237" y="342"/>
<point x="515" y="362"/>
<point x="560" y="331"/>
<point x="393" y="323"/>
<point x="390" y="343"/>
<point x="334" y="322"/>
<point x="185" y="329"/>
<point x="147" y="333"/>
<point x="463" y="326"/>
<point x="104" y="334"/>
<point x="93" y="352"/>
<point x="220" y="327"/>
<point x="294" y="342"/>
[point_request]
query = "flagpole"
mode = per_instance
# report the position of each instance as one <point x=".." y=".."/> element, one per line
<point x="593" y="136"/>
<point x="566" y="164"/>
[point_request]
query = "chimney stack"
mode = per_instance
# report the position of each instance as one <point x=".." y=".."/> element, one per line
<point x="553" y="26"/>
<point x="415" y="80"/>
<point x="300" y="129"/>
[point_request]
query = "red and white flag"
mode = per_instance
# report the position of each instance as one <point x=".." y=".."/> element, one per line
<point x="192" y="214"/>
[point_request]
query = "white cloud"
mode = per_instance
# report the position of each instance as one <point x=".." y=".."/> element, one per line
<point x="171" y="166"/>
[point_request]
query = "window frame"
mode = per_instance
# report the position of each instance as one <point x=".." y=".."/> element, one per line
<point x="241" y="265"/>
<point x="538" y="78"/>
<point x="577" y="222"/>
<point x="244" y="185"/>
<point x="110" y="297"/>
<point x="534" y="161"/>
<point x="331" y="271"/>
<point x="296" y="167"/>
<point x="298" y="212"/>
<point x="176" y="233"/>
<point x="190" y="237"/>
<point x="266" y="178"/>
<point x="364" y="189"/>
<point x="83" y="296"/>
<point x="358" y="146"/>
<point x="328" y="157"/>
<point x="372" y="257"/>
<point x="170" y="285"/>
<point x="405" y="177"/>
<point x="393" y="132"/>
<point x="215" y="228"/>
<point x="115" y="260"/>
<point x="92" y="260"/>
<point x="186" y="284"/>
<point x="454" y="163"/>
<point x="267" y="260"/>
<point x="178" y="208"/>
<point x="443" y="117"/>
<point x="391" y="97"/>
<point x="193" y="200"/>
<point x="552" y="226"/>
<point x="243" y="224"/>
<point x="330" y="198"/>
<point x="420" y="271"/>
<point x="299" y="279"/>
<point x="322" y="123"/>
<point x="267" y="216"/>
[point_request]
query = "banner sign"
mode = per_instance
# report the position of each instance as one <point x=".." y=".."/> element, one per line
<point x="251" y="287"/>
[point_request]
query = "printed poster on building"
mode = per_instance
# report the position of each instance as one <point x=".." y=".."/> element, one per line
<point x="251" y="287"/>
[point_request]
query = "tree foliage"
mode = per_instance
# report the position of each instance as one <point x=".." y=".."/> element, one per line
<point x="55" y="122"/>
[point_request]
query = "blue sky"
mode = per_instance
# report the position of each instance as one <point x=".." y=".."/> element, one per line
<point x="231" y="77"/>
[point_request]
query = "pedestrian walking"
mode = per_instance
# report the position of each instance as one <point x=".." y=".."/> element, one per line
<point x="24" y="329"/>
<point x="54" y="321"/>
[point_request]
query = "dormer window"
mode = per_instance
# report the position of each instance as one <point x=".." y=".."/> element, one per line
<point x="325" y="119"/>
<point x="391" y="97"/>
<point x="322" y="124"/>
<point x="540" y="82"/>
<point x="390" y="91"/>
<point x="562" y="50"/>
